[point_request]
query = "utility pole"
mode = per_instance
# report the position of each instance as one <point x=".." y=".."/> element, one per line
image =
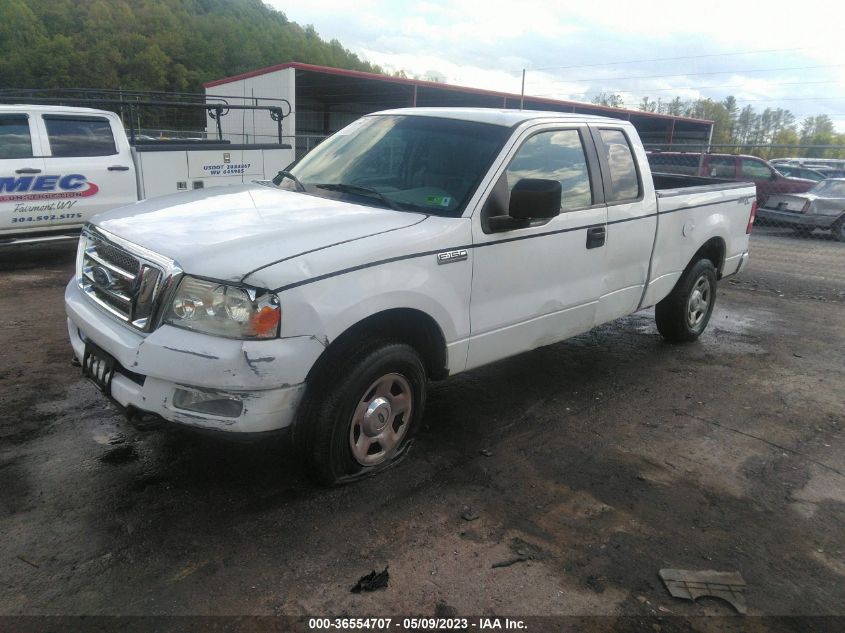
<point x="522" y="93"/>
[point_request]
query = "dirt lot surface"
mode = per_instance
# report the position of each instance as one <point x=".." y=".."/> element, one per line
<point x="597" y="462"/>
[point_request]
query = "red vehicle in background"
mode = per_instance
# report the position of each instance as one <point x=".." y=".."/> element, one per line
<point x="729" y="167"/>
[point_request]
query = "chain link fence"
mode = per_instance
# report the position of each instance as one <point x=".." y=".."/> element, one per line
<point x="799" y="232"/>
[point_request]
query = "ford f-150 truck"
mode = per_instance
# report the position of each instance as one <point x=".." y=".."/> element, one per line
<point x="412" y="245"/>
<point x="60" y="165"/>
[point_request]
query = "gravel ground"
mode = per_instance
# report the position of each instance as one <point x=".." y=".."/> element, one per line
<point x="597" y="462"/>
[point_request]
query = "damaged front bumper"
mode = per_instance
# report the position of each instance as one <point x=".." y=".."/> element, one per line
<point x="192" y="378"/>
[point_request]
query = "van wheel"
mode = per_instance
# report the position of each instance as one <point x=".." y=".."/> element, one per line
<point x="362" y="412"/>
<point x="683" y="315"/>
<point x="838" y="230"/>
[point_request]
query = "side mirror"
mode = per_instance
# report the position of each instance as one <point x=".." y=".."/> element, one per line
<point x="535" y="199"/>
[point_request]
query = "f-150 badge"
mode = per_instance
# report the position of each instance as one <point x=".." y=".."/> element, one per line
<point x="451" y="256"/>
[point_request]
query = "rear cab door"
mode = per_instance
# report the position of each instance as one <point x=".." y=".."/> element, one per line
<point x="20" y="165"/>
<point x="88" y="165"/>
<point x="631" y="219"/>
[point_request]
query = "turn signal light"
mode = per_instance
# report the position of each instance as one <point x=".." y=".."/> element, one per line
<point x="265" y="322"/>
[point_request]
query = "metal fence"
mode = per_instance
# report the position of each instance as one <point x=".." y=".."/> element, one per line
<point x="799" y="232"/>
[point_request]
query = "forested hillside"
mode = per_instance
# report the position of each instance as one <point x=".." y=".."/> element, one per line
<point x="172" y="45"/>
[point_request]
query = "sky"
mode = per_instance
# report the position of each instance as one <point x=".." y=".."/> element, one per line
<point x="766" y="54"/>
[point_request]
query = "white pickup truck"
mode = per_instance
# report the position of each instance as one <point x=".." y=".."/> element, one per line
<point x="60" y="165"/>
<point x="412" y="245"/>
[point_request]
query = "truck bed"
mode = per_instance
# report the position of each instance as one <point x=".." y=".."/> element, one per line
<point x="666" y="182"/>
<point x="693" y="211"/>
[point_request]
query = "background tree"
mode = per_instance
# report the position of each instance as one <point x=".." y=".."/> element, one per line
<point x="167" y="45"/>
<point x="610" y="100"/>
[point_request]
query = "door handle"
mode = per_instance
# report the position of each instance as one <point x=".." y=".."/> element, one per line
<point x="595" y="236"/>
<point x="118" y="168"/>
<point x="27" y="170"/>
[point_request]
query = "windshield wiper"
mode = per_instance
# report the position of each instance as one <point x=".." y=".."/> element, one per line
<point x="284" y="173"/>
<point x="357" y="189"/>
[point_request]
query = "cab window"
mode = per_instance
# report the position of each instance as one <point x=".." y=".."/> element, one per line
<point x="555" y="155"/>
<point x="79" y="136"/>
<point x="624" y="182"/>
<point x="15" y="140"/>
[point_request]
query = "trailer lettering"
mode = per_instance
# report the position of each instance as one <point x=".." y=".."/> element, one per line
<point x="45" y="183"/>
<point x="15" y="184"/>
<point x="49" y="187"/>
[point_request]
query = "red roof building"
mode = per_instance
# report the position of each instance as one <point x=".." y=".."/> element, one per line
<point x="324" y="99"/>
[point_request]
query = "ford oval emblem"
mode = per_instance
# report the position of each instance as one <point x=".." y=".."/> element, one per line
<point x="102" y="276"/>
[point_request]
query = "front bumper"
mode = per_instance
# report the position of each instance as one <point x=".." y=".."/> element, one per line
<point x="795" y="219"/>
<point x="266" y="377"/>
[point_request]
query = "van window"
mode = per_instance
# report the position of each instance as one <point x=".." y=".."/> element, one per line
<point x="721" y="166"/>
<point x="555" y="155"/>
<point x="686" y="164"/>
<point x="624" y="183"/>
<point x="15" y="141"/>
<point x="79" y="136"/>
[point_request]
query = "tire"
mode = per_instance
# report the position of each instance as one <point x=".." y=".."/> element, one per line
<point x="683" y="315"/>
<point x="361" y="411"/>
<point x="838" y="230"/>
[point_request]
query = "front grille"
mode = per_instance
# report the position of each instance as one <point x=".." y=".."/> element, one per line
<point x="124" y="284"/>
<point x="118" y="257"/>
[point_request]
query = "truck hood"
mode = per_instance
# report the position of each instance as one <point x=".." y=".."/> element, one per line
<point x="226" y="232"/>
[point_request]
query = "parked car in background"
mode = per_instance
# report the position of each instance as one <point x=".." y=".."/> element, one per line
<point x="800" y="172"/>
<point x="830" y="172"/>
<point x="822" y="207"/>
<point x="734" y="167"/>
<point x="811" y="162"/>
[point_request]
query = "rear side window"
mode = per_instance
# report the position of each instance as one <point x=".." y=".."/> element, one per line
<point x="624" y="182"/>
<point x="15" y="141"/>
<point x="79" y="136"/>
<point x="686" y="164"/>
<point x="721" y="167"/>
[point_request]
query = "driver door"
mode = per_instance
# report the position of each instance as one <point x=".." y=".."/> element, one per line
<point x="539" y="284"/>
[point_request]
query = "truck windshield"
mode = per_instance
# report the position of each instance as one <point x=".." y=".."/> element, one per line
<point x="414" y="163"/>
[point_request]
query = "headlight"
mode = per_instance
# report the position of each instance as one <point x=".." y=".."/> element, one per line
<point x="216" y="308"/>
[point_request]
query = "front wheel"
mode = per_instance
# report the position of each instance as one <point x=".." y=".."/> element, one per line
<point x="838" y="230"/>
<point x="683" y="315"/>
<point x="362" y="411"/>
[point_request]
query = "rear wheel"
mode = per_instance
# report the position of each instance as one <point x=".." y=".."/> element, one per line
<point x="683" y="315"/>
<point x="361" y="412"/>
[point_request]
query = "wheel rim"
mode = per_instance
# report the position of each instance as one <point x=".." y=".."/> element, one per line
<point x="381" y="419"/>
<point x="699" y="302"/>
